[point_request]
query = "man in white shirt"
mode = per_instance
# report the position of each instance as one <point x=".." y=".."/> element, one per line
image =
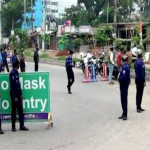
<point x="134" y="51"/>
<point x="111" y="64"/>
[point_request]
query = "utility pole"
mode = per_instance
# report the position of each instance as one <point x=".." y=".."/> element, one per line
<point x="141" y="23"/>
<point x="43" y="26"/>
<point x="25" y="21"/>
<point x="32" y="15"/>
<point x="0" y="23"/>
<point x="115" y="18"/>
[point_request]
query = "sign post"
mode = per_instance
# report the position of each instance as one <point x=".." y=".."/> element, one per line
<point x="36" y="96"/>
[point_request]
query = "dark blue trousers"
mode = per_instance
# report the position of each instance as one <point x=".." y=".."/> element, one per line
<point x="124" y="98"/>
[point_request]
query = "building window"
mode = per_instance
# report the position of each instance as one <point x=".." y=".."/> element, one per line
<point x="47" y="2"/>
<point x="48" y="10"/>
<point x="54" y="11"/>
<point x="54" y="3"/>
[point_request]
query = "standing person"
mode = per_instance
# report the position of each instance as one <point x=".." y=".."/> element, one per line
<point x="111" y="64"/>
<point x="124" y="81"/>
<point x="1" y="131"/>
<point x="70" y="74"/>
<point x="140" y="81"/>
<point x="129" y="54"/>
<point x="119" y="56"/>
<point x="22" y="61"/>
<point x="16" y="98"/>
<point x="15" y="57"/>
<point x="4" y="55"/>
<point x="36" y="59"/>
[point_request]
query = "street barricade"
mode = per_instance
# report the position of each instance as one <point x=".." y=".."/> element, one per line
<point x="36" y="97"/>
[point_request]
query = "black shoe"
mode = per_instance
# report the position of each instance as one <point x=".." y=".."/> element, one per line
<point x="1" y="131"/>
<point x="14" y="130"/>
<point x="138" y="110"/>
<point x="24" y="129"/>
<point x="124" y="118"/>
<point x="69" y="93"/>
<point x="142" y="109"/>
<point x="121" y="117"/>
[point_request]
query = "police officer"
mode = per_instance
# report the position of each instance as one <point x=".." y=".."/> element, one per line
<point x="1" y="131"/>
<point x="139" y="80"/>
<point x="15" y="57"/>
<point x="22" y="61"/>
<point x="36" y="59"/>
<point x="124" y="81"/>
<point x="16" y="97"/>
<point x="70" y="74"/>
<point x="4" y="55"/>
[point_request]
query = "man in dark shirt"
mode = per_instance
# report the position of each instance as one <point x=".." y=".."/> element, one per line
<point x="124" y="81"/>
<point x="139" y="80"/>
<point x="69" y="64"/>
<point x="4" y="56"/>
<point x="16" y="97"/>
<point x="1" y="131"/>
<point x="36" y="59"/>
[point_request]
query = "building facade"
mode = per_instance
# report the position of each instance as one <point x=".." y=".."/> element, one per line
<point x="51" y="7"/>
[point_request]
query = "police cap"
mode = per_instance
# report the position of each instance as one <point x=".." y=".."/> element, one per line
<point x="71" y="52"/>
<point x="15" y="64"/>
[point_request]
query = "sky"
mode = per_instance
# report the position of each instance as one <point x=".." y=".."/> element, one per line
<point x="66" y="3"/>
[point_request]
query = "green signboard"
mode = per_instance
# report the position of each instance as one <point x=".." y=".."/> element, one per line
<point x="36" y="95"/>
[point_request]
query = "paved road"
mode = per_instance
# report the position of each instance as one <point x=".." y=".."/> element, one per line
<point x="86" y="120"/>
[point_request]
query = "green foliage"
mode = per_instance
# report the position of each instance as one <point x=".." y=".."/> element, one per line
<point x="20" y="39"/>
<point x="104" y="35"/>
<point x="44" y="55"/>
<point x="77" y="42"/>
<point x="63" y="40"/>
<point x="118" y="44"/>
<point x="12" y="12"/>
<point x="77" y="14"/>
<point x="46" y="38"/>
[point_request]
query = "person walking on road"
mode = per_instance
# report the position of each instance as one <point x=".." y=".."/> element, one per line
<point x="124" y="81"/>
<point x="111" y="64"/>
<point x="140" y="81"/>
<point x="4" y="55"/>
<point x="69" y="64"/>
<point x="36" y="59"/>
<point x="22" y="61"/>
<point x="16" y="98"/>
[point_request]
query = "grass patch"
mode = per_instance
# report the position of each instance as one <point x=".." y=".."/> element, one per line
<point x="44" y="55"/>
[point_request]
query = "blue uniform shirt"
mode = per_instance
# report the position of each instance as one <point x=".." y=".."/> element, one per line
<point x="15" y="59"/>
<point x="68" y="62"/>
<point x="15" y="87"/>
<point x="140" y="70"/>
<point x="4" y="55"/>
<point x="124" y="76"/>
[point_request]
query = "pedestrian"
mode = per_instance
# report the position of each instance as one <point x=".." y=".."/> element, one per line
<point x="129" y="54"/>
<point x="70" y="74"/>
<point x="139" y="80"/>
<point x="1" y="131"/>
<point x="22" y="61"/>
<point x="15" y="57"/>
<point x="4" y="56"/>
<point x="124" y="81"/>
<point x="119" y="56"/>
<point x="16" y="98"/>
<point x="36" y="59"/>
<point x="111" y="64"/>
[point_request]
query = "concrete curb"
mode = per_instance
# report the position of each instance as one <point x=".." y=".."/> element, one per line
<point x="62" y="63"/>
